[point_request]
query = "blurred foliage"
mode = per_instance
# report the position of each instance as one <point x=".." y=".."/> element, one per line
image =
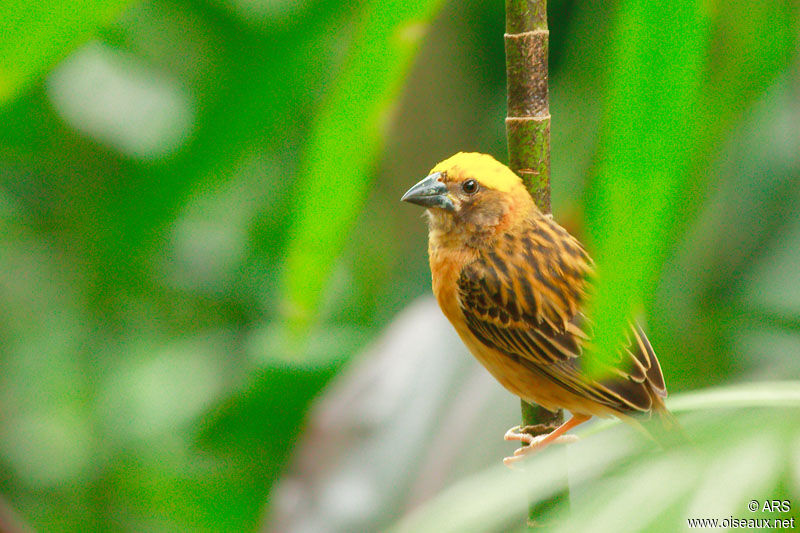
<point x="36" y="35"/>
<point x="715" y="477"/>
<point x="667" y="108"/>
<point x="164" y="167"/>
<point x="336" y="175"/>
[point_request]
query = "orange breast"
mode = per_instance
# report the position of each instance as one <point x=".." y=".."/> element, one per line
<point x="446" y="266"/>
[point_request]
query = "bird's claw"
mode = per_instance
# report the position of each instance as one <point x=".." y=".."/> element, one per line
<point x="517" y="433"/>
<point x="534" y="443"/>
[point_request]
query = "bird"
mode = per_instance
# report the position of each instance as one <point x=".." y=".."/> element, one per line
<point x="514" y="284"/>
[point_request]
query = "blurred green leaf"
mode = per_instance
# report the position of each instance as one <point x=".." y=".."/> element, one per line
<point x="750" y="44"/>
<point x="666" y="110"/>
<point x="763" y="394"/>
<point x="645" y="148"/>
<point x="37" y="34"/>
<point x="117" y="263"/>
<point x="255" y="431"/>
<point x="337" y="165"/>
<point x="725" y="466"/>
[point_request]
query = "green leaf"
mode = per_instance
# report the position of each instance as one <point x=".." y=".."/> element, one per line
<point x="621" y="483"/>
<point x="336" y="170"/>
<point x="672" y="96"/>
<point x="37" y="34"/>
<point x="762" y="394"/>
<point x="646" y="144"/>
<point x="254" y="432"/>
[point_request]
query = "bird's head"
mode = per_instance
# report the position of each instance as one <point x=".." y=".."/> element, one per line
<point x="471" y="193"/>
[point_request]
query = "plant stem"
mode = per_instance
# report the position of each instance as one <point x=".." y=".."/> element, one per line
<point x="528" y="120"/>
<point x="528" y="134"/>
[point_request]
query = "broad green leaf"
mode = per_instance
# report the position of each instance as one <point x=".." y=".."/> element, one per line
<point x="645" y="147"/>
<point x="37" y="34"/>
<point x="337" y="166"/>
<point x="671" y="98"/>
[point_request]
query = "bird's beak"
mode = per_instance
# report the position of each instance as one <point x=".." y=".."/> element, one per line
<point x="430" y="192"/>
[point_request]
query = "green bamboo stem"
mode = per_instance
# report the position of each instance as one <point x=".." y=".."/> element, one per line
<point x="528" y="136"/>
<point x="528" y="120"/>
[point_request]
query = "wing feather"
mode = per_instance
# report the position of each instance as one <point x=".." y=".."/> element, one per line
<point x="523" y="299"/>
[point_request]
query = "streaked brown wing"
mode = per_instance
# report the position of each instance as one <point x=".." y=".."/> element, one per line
<point x="523" y="298"/>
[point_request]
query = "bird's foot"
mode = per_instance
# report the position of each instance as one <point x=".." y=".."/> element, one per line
<point x="536" y="441"/>
<point x="533" y="443"/>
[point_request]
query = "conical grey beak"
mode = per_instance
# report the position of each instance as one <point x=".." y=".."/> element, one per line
<point x="430" y="192"/>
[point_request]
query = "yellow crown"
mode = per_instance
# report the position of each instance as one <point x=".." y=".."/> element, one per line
<point x="487" y="170"/>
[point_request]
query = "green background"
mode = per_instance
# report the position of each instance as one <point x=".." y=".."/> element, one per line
<point x="200" y="226"/>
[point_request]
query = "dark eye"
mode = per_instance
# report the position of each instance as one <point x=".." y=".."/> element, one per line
<point x="470" y="186"/>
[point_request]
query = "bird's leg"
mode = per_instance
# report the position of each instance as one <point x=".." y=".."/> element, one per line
<point x="537" y="443"/>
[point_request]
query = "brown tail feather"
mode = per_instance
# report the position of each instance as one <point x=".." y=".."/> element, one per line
<point x="664" y="428"/>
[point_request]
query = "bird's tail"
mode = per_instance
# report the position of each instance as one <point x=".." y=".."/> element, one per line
<point x="664" y="428"/>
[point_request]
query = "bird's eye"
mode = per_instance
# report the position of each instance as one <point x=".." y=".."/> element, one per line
<point x="470" y="186"/>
